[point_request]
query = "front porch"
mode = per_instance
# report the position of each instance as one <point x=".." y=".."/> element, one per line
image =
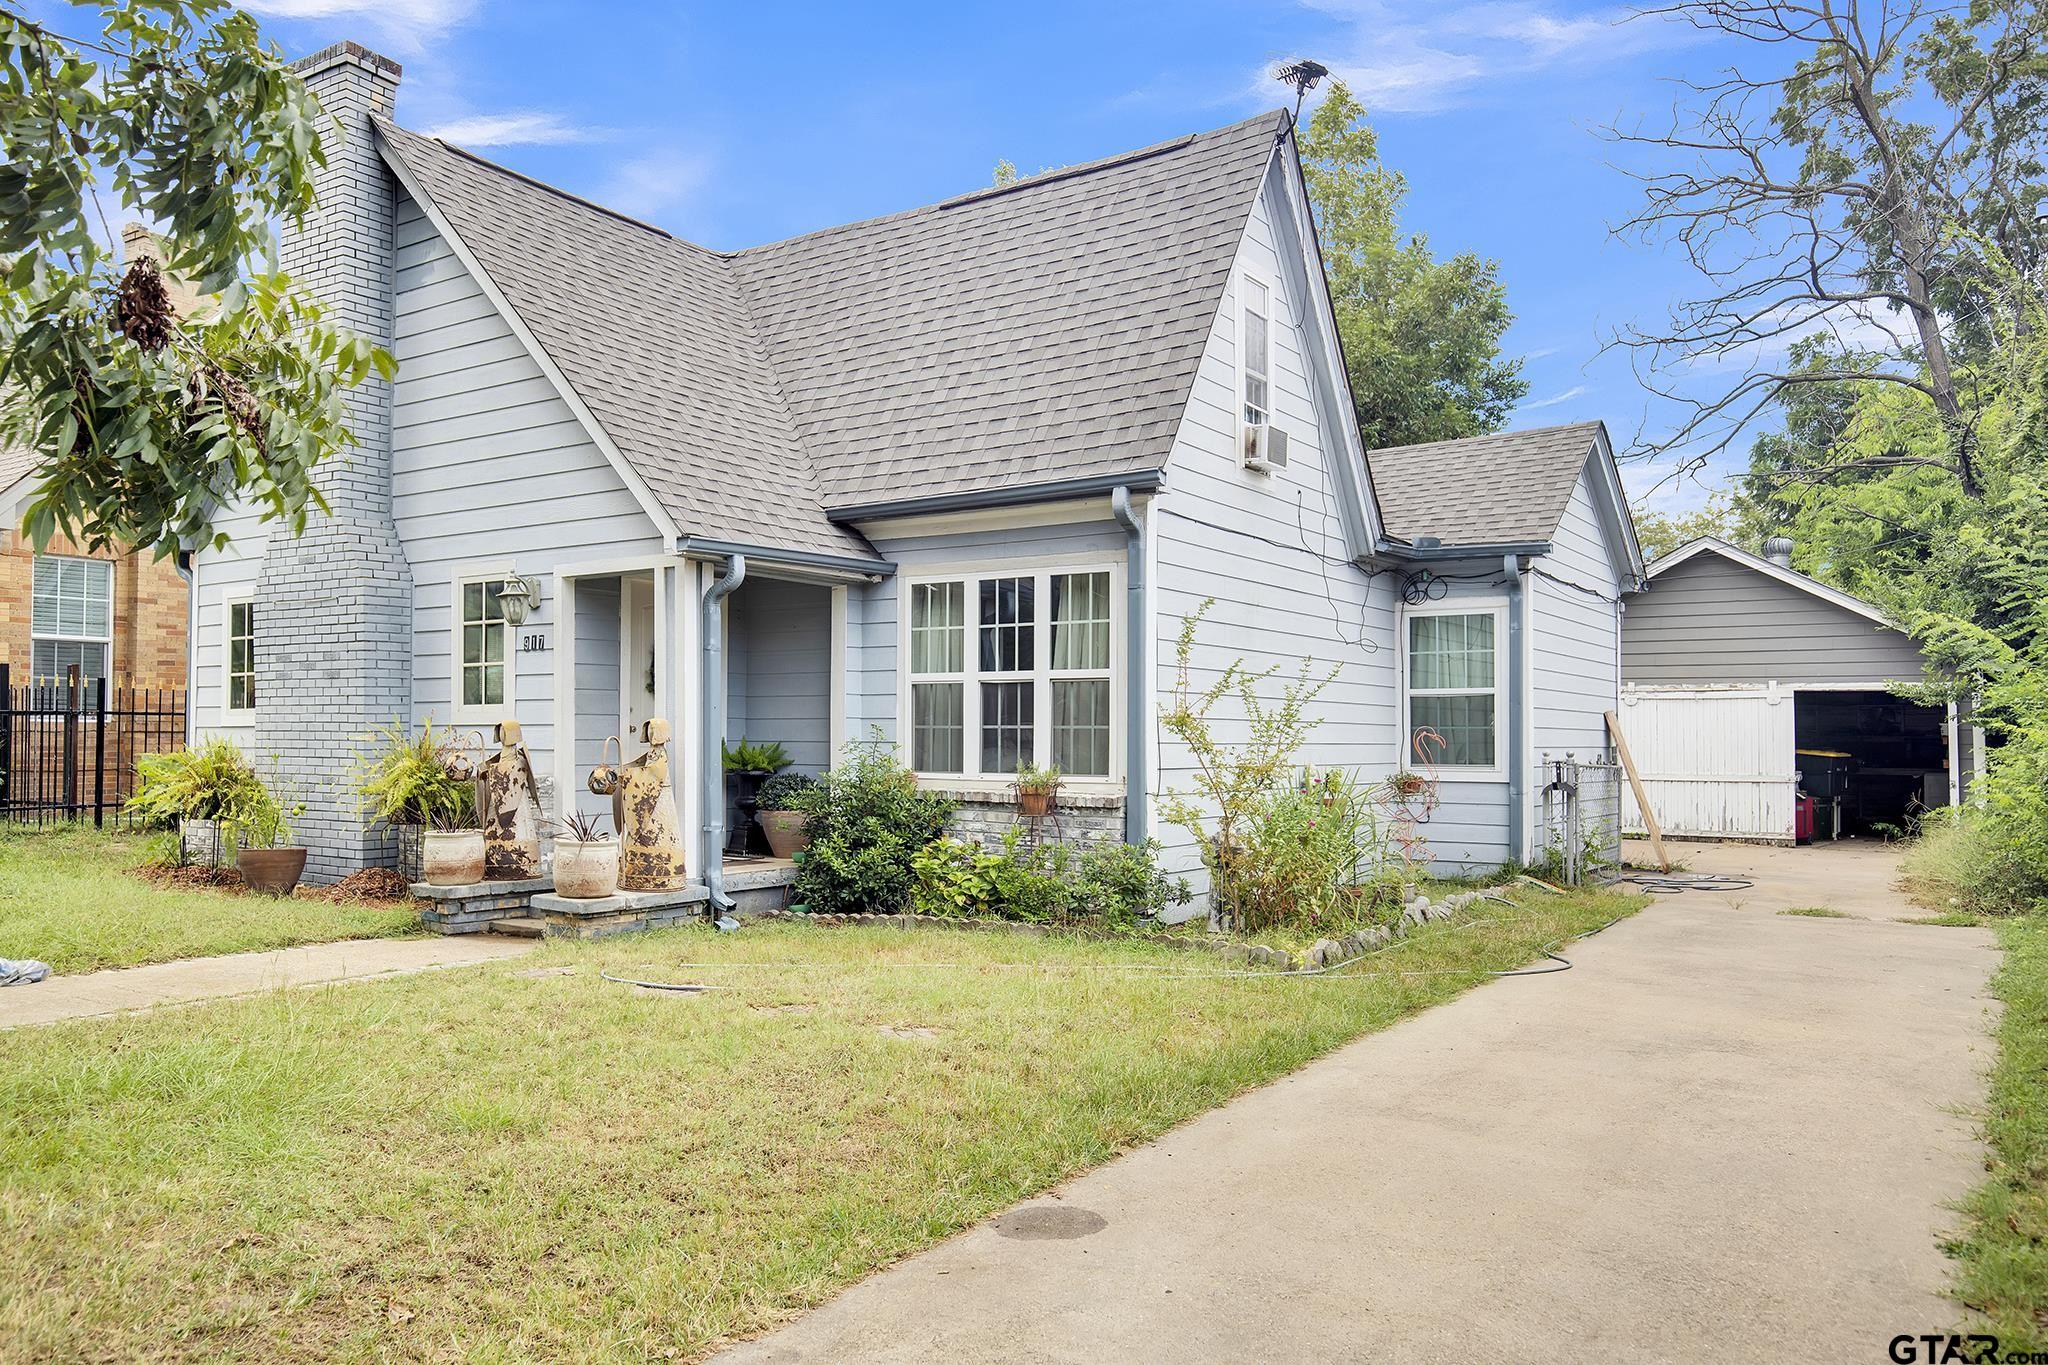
<point x="631" y="648"/>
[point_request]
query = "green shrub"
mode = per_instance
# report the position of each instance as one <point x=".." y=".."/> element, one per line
<point x="783" y="791"/>
<point x="866" y="820"/>
<point x="747" y="757"/>
<point x="212" y="781"/>
<point x="1107" y="885"/>
<point x="403" y="779"/>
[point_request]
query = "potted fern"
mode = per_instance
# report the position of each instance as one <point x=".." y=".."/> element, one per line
<point x="402" y="781"/>
<point x="1036" y="787"/>
<point x="586" y="859"/>
<point x="781" y="819"/>
<point x="199" y="794"/>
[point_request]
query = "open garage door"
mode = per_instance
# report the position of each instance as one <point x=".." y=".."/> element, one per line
<point x="1716" y="762"/>
<point x="1874" y="760"/>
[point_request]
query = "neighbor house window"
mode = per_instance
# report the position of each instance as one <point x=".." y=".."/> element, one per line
<point x="1012" y="668"/>
<point x="483" y="647"/>
<point x="1258" y="348"/>
<point x="1453" y="673"/>
<point x="71" y="617"/>
<point x="241" y="670"/>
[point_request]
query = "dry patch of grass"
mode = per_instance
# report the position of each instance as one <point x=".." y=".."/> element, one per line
<point x="70" y="896"/>
<point x="1818" y="912"/>
<point x="522" y="1163"/>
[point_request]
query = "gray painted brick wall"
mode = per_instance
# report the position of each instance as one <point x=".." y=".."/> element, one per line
<point x="334" y="605"/>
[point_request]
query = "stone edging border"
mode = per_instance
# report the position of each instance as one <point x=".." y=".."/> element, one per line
<point x="1325" y="953"/>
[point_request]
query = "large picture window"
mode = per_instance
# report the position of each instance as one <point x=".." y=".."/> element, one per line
<point x="71" y="617"/>
<point x="1012" y="668"/>
<point x="1453" y="677"/>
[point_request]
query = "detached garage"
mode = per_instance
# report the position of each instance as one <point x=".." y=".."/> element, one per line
<point x="1756" y="703"/>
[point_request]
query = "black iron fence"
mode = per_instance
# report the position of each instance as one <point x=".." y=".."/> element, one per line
<point x="68" y="745"/>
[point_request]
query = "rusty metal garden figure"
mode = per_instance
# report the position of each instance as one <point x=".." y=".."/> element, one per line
<point x="508" y="809"/>
<point x="644" y="812"/>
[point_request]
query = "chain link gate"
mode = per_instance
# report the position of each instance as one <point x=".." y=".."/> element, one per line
<point x="1579" y="837"/>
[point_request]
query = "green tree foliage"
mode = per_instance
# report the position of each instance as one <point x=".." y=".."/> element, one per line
<point x="176" y="112"/>
<point x="1421" y="336"/>
<point x="1659" y="533"/>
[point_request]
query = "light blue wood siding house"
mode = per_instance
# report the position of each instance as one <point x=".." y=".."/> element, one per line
<point x="950" y="479"/>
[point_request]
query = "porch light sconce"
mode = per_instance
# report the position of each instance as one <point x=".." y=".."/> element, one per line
<point x="519" y="596"/>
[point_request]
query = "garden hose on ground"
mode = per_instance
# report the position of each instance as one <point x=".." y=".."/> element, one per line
<point x="1671" y="883"/>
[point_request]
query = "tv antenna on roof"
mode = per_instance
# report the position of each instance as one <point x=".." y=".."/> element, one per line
<point x="1301" y="76"/>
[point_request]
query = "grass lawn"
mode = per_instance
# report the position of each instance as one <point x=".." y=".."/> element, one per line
<point x="2003" y="1253"/>
<point x="526" y="1162"/>
<point x="68" y="897"/>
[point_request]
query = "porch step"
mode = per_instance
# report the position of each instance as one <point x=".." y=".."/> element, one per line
<point x="520" y="926"/>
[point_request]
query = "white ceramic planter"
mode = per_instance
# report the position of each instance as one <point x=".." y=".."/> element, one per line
<point x="452" y="857"/>
<point x="586" y="871"/>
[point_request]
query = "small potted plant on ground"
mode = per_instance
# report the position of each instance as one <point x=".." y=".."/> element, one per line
<point x="1035" y="788"/>
<point x="452" y="852"/>
<point x="270" y="863"/>
<point x="199" y="794"/>
<point x="586" y="859"/>
<point x="402" y="781"/>
<point x="747" y="766"/>
<point x="780" y="818"/>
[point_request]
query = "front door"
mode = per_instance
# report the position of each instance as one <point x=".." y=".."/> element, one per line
<point x="636" y="670"/>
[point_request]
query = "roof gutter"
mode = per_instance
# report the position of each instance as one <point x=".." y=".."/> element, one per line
<point x="1136" y="820"/>
<point x="711" y="790"/>
<point x="698" y="547"/>
<point x="1065" y="490"/>
<point x="1395" y="549"/>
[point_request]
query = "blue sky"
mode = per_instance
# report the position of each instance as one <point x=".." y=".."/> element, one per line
<point x="738" y="124"/>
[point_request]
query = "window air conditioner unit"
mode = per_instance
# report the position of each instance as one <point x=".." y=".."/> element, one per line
<point x="1265" y="447"/>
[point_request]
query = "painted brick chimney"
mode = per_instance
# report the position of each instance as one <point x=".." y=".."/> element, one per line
<point x="334" y="606"/>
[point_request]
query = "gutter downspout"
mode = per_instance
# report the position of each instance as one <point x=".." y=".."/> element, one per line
<point x="189" y="571"/>
<point x="1518" y="776"/>
<point x="1136" y="820"/>
<point x="711" y="741"/>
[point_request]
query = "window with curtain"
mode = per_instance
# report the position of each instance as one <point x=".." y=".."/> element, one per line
<point x="1011" y="668"/>
<point x="1453" y="689"/>
<point x="71" y="617"/>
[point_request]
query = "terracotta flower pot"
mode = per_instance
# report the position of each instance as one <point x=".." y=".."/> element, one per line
<point x="1034" y="802"/>
<point x="785" y="831"/>
<point x="453" y="857"/>
<point x="586" y="871"/>
<point x="271" y="871"/>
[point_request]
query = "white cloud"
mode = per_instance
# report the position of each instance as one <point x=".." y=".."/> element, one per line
<point x="1422" y="58"/>
<point x="1567" y="396"/>
<point x="655" y="184"/>
<point x="518" y="129"/>
<point x="407" y="23"/>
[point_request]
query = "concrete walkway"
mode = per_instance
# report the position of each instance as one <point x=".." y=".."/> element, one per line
<point x="216" y="978"/>
<point x="1727" y="1134"/>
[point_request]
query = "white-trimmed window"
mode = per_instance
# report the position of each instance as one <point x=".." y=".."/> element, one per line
<point x="71" y="617"/>
<point x="1255" y="356"/>
<point x="1012" y="667"/>
<point x="1453" y="662"/>
<point x="238" y="657"/>
<point x="483" y="649"/>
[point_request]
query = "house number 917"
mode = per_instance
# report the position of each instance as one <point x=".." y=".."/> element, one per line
<point x="534" y="642"/>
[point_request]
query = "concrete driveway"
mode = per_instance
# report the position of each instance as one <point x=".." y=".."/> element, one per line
<point x="1727" y="1134"/>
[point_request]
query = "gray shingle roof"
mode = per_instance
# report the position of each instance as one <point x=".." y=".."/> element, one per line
<point x="1507" y="488"/>
<point x="1036" y="333"/>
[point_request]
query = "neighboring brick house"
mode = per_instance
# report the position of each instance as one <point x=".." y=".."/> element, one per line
<point x="113" y="614"/>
